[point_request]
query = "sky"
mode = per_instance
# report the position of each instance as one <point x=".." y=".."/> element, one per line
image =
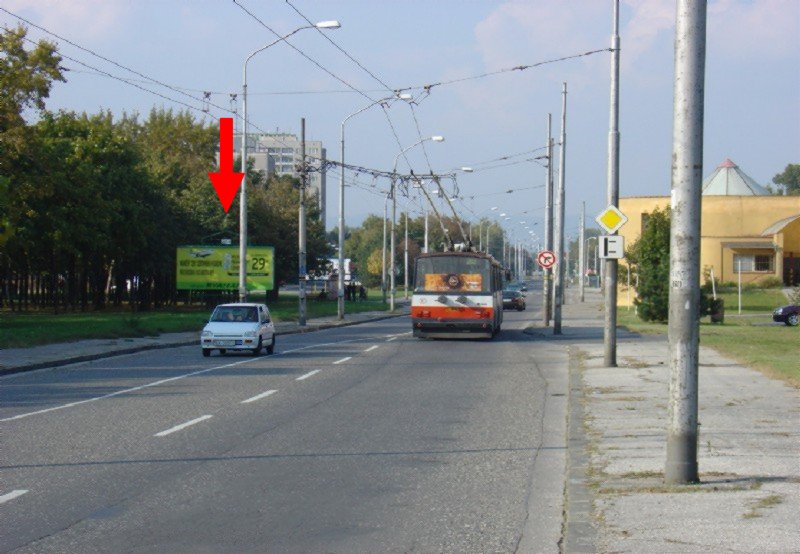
<point x="752" y="94"/>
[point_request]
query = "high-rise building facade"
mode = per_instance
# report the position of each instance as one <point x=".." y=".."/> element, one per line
<point x="281" y="153"/>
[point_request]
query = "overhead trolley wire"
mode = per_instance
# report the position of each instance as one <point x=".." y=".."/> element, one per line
<point x="342" y="50"/>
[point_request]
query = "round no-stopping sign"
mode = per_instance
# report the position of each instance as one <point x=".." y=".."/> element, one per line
<point x="546" y="259"/>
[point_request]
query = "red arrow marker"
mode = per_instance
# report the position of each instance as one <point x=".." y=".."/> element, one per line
<point x="226" y="182"/>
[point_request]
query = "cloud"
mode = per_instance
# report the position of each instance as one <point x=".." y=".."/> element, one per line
<point x="767" y="29"/>
<point x="94" y="18"/>
<point x="519" y="31"/>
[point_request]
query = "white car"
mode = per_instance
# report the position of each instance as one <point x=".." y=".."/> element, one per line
<point x="239" y="327"/>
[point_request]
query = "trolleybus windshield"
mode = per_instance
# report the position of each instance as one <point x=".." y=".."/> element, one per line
<point x="453" y="274"/>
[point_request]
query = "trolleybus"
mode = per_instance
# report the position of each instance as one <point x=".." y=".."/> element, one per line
<point x="457" y="295"/>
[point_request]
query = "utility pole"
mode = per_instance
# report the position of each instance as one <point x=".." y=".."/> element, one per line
<point x="383" y="248"/>
<point x="684" y="256"/>
<point x="405" y="258"/>
<point x="426" y="228"/>
<point x="547" y="274"/>
<point x="392" y="247"/>
<point x="301" y="265"/>
<point x="558" y="299"/>
<point x="581" y="266"/>
<point x="610" y="274"/>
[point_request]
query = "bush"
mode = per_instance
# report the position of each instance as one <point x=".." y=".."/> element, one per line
<point x="651" y="254"/>
<point x="770" y="283"/>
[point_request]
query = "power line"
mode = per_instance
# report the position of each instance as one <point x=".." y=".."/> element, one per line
<point x="428" y="87"/>
<point x="104" y="58"/>
<point x="342" y="50"/>
<point x="122" y="79"/>
<point x="306" y="56"/>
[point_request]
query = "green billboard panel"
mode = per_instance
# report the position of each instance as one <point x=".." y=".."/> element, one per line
<point x="217" y="268"/>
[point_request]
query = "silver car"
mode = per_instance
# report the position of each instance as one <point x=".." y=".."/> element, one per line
<point x="238" y="327"/>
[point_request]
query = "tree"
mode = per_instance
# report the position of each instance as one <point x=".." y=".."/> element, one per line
<point x="273" y="221"/>
<point x="650" y="253"/>
<point x="789" y="179"/>
<point x="26" y="77"/>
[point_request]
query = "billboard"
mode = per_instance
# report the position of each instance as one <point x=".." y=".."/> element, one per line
<point x="217" y="268"/>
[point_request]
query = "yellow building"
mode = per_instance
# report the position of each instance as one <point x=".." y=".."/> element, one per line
<point x="742" y="226"/>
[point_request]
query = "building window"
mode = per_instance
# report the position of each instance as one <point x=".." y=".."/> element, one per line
<point x="753" y="262"/>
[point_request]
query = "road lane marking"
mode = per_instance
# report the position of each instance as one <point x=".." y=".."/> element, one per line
<point x="258" y="396"/>
<point x="125" y="391"/>
<point x="182" y="426"/>
<point x="170" y="379"/>
<point x="371" y="348"/>
<point x="12" y="495"/>
<point x="390" y="339"/>
<point x="337" y="362"/>
<point x="307" y="375"/>
<point x="318" y="345"/>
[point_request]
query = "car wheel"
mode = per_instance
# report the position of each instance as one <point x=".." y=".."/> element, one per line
<point x="792" y="320"/>
<point x="271" y="347"/>
<point x="206" y="352"/>
<point x="221" y="351"/>
<point x="257" y="349"/>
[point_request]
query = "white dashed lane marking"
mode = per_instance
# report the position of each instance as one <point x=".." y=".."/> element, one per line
<point x="258" y="396"/>
<point x="12" y="495"/>
<point x="182" y="426"/>
<point x="307" y="375"/>
<point x="337" y="362"/>
<point x="371" y="348"/>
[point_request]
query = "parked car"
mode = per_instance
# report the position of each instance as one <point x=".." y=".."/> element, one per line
<point x="513" y="299"/>
<point x="790" y="315"/>
<point x="238" y="327"/>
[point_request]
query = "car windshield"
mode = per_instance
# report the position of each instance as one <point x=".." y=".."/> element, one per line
<point x="235" y="314"/>
<point x="509" y="294"/>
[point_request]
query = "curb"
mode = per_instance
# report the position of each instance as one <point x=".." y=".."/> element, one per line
<point x="579" y="534"/>
<point x="134" y="349"/>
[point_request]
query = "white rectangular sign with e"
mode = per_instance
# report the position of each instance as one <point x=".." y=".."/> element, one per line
<point x="612" y="247"/>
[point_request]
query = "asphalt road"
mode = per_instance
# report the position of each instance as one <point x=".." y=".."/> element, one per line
<point x="358" y="439"/>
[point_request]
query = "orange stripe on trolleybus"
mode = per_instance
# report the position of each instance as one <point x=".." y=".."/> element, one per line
<point x="451" y="312"/>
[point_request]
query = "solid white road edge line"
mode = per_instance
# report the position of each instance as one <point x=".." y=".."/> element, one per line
<point x="12" y="495"/>
<point x="337" y="362"/>
<point x="258" y="396"/>
<point x="371" y="348"/>
<point x="125" y="391"/>
<point x="307" y="375"/>
<point x="182" y="426"/>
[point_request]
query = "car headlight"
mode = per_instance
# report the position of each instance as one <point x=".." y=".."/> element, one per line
<point x="778" y="311"/>
<point x="250" y="333"/>
<point x="207" y="335"/>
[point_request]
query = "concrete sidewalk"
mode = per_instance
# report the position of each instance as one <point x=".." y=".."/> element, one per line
<point x="16" y="360"/>
<point x="749" y="450"/>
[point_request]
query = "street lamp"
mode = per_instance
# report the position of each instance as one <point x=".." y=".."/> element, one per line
<point x="243" y="193"/>
<point x="434" y="138"/>
<point x="340" y="292"/>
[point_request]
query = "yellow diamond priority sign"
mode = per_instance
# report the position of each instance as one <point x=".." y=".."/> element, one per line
<point x="611" y="219"/>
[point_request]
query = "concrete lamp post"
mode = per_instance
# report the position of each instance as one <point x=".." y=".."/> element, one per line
<point x="243" y="193"/>
<point x="340" y="292"/>
<point x="434" y="138"/>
